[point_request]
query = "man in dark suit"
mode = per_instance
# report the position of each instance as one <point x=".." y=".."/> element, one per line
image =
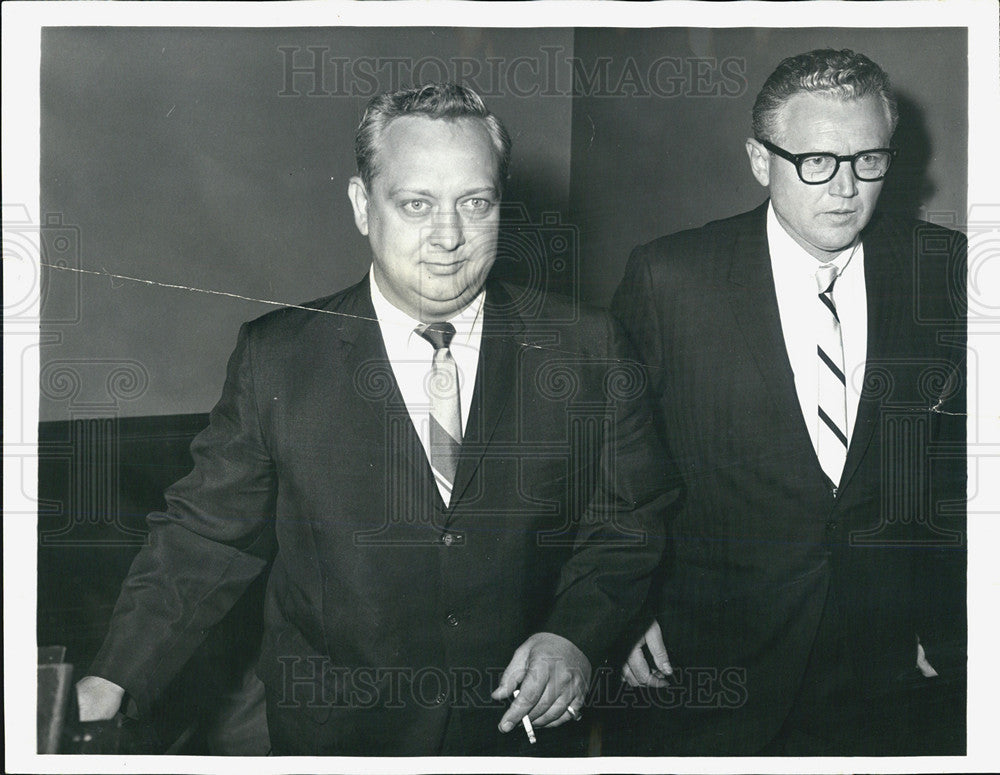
<point x="453" y="485"/>
<point x="806" y="358"/>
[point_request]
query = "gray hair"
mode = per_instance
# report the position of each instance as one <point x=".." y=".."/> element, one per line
<point x="448" y="101"/>
<point x="842" y="74"/>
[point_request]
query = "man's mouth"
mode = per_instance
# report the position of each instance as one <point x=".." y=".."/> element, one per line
<point x="840" y="215"/>
<point x="443" y="268"/>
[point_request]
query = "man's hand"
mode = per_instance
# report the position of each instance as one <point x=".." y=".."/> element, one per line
<point x="923" y="665"/>
<point x="636" y="670"/>
<point x="553" y="676"/>
<point x="98" y="698"/>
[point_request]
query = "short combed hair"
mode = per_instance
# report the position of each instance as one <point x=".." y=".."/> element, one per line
<point x="448" y="101"/>
<point x="842" y="74"/>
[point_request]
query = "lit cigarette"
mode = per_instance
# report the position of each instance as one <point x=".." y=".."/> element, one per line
<point x="526" y="723"/>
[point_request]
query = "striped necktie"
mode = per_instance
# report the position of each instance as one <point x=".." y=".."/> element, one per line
<point x="446" y="411"/>
<point x="831" y="435"/>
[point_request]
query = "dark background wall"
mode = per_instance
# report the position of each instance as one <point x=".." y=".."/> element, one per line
<point x="658" y="145"/>
<point x="218" y="159"/>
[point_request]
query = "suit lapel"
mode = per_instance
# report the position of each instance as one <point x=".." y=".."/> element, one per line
<point x="364" y="360"/>
<point x="884" y="318"/>
<point x="755" y="306"/>
<point x="495" y="382"/>
<point x="363" y="356"/>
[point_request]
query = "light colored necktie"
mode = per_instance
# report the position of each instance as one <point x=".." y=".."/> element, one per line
<point x="446" y="411"/>
<point x="831" y="435"/>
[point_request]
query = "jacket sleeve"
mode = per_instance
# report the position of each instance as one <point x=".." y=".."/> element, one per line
<point x="213" y="539"/>
<point x="621" y="534"/>
<point x="635" y="306"/>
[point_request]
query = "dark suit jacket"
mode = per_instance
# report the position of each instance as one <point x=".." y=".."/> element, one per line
<point x="760" y="547"/>
<point x="389" y="616"/>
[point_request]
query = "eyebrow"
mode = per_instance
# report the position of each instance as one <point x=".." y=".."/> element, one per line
<point x="430" y="195"/>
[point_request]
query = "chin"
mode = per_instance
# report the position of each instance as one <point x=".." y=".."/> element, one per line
<point x="837" y="241"/>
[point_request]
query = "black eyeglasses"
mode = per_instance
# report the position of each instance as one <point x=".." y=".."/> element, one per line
<point x="817" y="168"/>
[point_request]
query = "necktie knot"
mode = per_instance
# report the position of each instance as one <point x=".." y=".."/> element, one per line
<point x="826" y="276"/>
<point x="438" y="334"/>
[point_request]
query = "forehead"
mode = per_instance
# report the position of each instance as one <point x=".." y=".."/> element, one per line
<point x="817" y="121"/>
<point x="414" y="150"/>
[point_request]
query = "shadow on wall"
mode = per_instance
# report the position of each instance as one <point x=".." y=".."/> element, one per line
<point x="908" y="187"/>
<point x="538" y="250"/>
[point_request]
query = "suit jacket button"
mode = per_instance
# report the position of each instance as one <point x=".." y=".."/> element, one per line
<point x="441" y="699"/>
<point x="452" y="620"/>
<point x="831" y="527"/>
<point x="448" y="539"/>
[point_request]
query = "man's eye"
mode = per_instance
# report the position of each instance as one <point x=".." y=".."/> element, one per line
<point x="416" y="206"/>
<point x="815" y="161"/>
<point x="477" y="205"/>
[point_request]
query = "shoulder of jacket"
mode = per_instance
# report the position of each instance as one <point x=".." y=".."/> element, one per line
<point x="295" y="317"/>
<point x="695" y="249"/>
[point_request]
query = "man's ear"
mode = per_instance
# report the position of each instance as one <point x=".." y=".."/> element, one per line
<point x="358" y="195"/>
<point x="760" y="161"/>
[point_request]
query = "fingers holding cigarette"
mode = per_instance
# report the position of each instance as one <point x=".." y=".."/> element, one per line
<point x="529" y="730"/>
<point x="550" y="676"/>
<point x="525" y="701"/>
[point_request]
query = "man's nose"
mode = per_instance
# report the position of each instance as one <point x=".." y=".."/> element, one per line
<point x="446" y="231"/>
<point x="844" y="184"/>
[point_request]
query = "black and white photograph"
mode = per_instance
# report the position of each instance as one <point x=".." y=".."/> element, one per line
<point x="517" y="387"/>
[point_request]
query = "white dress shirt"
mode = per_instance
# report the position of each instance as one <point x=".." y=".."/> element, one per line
<point x="411" y="357"/>
<point x="794" y="273"/>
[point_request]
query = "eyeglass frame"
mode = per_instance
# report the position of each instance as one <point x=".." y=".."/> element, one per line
<point x="798" y="158"/>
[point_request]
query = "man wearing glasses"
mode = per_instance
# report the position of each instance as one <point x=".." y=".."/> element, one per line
<point x="805" y="358"/>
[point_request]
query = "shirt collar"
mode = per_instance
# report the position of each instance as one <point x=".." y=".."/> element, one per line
<point x="787" y="251"/>
<point x="397" y="324"/>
